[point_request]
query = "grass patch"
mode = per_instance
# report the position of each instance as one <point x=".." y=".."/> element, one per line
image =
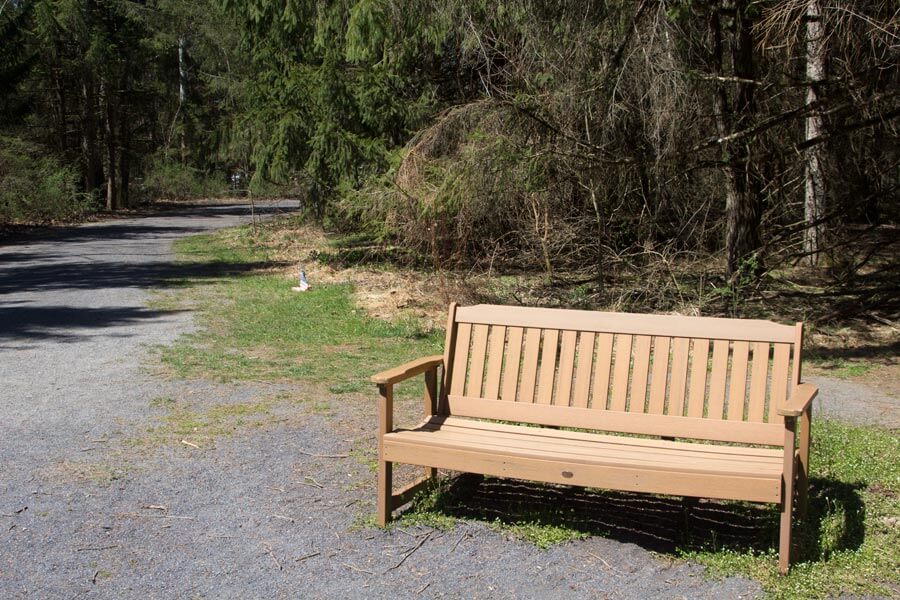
<point x="256" y="328"/>
<point x="201" y="427"/>
<point x="842" y="368"/>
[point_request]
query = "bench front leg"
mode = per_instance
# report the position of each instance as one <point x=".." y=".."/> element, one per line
<point x="787" y="498"/>
<point x="387" y="500"/>
<point x="385" y="468"/>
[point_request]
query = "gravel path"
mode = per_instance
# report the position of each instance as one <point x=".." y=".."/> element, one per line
<point x="90" y="508"/>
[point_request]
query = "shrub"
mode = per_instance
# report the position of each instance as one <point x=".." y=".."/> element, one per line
<point x="36" y="187"/>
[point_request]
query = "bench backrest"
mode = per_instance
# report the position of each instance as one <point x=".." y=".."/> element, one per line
<point x="689" y="377"/>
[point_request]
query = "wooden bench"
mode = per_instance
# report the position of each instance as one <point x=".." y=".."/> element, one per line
<point x="687" y="381"/>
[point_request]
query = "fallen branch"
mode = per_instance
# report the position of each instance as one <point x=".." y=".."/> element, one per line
<point x="310" y="555"/>
<point x="97" y="548"/>
<point x="313" y="454"/>
<point x="272" y="555"/>
<point x="187" y="443"/>
<point x="410" y="553"/>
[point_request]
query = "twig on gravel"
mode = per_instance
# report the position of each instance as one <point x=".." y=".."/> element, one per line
<point x="90" y="548"/>
<point x="600" y="558"/>
<point x="313" y="454"/>
<point x="310" y="481"/>
<point x="272" y="555"/>
<point x="154" y="507"/>
<point x="187" y="443"/>
<point x="150" y="516"/>
<point x="423" y="588"/>
<point x="94" y="577"/>
<point x="282" y="517"/>
<point x="87" y="449"/>
<point x="355" y="568"/>
<point x="461" y="538"/>
<point x="410" y="553"/>
<point x="306" y="556"/>
<point x="351" y="503"/>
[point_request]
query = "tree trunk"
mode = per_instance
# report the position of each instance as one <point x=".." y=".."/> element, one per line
<point x="109" y="127"/>
<point x="734" y="112"/>
<point x="90" y="155"/>
<point x="814" y="198"/>
<point x="182" y="94"/>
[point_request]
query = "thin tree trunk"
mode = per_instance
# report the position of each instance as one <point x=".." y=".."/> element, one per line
<point x="112" y="195"/>
<point x="90" y="156"/>
<point x="182" y="94"/>
<point x="743" y="205"/>
<point x="814" y="199"/>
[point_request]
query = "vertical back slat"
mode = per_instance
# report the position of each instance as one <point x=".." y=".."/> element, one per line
<point x="495" y="362"/>
<point x="759" y="375"/>
<point x="660" y="376"/>
<point x="511" y="363"/>
<point x="780" y="366"/>
<point x="530" y="364"/>
<point x="476" y="369"/>
<point x="602" y="366"/>
<point x="460" y="359"/>
<point x="548" y="366"/>
<point x="582" y="389"/>
<point x="566" y="368"/>
<point x="677" y="391"/>
<point x="699" y="360"/>
<point x="737" y="389"/>
<point x="639" y="373"/>
<point x="717" y="379"/>
<point x="620" y="373"/>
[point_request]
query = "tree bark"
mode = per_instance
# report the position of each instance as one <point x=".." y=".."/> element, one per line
<point x="814" y="195"/>
<point x="734" y="112"/>
<point x="92" y="167"/>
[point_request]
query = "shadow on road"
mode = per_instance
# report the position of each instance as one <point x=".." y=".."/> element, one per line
<point x="65" y="323"/>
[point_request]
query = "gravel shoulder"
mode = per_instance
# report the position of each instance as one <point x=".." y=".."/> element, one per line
<point x="94" y="505"/>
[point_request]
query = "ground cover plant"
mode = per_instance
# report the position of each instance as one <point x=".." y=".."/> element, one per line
<point x="254" y="328"/>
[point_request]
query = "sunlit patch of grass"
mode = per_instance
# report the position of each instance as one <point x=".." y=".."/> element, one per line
<point x="255" y="328"/>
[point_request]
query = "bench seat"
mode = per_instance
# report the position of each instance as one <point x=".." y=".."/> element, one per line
<point x="591" y="459"/>
<point x="664" y="404"/>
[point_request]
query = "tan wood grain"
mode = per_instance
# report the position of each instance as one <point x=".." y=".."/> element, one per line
<point x="476" y="367"/>
<point x="634" y="324"/>
<point x="547" y="377"/>
<point x="582" y="390"/>
<point x="460" y="359"/>
<point x="563" y="394"/>
<point x="530" y="365"/>
<point x="495" y="362"/>
<point x="639" y="373"/>
<point x="737" y="387"/>
<point x="659" y="378"/>
<point x="512" y="363"/>
<point x="778" y="394"/>
<point x="699" y="363"/>
<point x="619" y="388"/>
<point x="678" y="383"/>
<point x="602" y="371"/>
<point x="717" y="377"/>
<point x="759" y="375"/>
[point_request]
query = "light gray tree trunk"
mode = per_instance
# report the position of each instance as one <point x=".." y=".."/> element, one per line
<point x="814" y="199"/>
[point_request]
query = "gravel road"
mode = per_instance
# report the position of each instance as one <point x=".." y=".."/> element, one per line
<point x="89" y="510"/>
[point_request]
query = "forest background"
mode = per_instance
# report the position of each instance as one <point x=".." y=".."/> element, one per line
<point x="644" y="154"/>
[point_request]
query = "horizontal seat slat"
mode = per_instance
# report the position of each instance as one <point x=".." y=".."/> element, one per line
<point x="637" y="442"/>
<point x="685" y="456"/>
<point x="635" y="479"/>
<point x="769" y="434"/>
<point x="751" y="330"/>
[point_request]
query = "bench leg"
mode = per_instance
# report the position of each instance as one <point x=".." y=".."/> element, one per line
<point x="784" y="543"/>
<point x="385" y="492"/>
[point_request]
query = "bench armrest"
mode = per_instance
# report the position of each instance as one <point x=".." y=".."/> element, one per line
<point x="410" y="369"/>
<point x="800" y="399"/>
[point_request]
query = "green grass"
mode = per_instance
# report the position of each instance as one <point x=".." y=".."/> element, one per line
<point x="255" y="327"/>
<point x="842" y="368"/>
